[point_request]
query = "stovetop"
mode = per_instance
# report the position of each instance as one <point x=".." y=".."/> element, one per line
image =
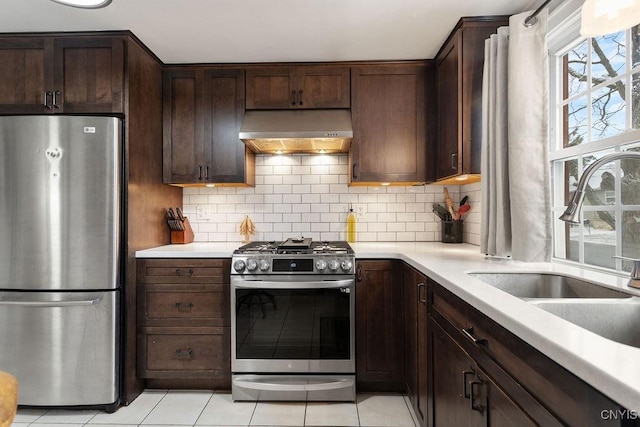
<point x="295" y="246"/>
<point x="294" y="256"/>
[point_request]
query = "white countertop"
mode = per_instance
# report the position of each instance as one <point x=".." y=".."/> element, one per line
<point x="608" y="366"/>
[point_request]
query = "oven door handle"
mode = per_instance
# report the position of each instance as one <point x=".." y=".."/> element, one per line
<point x="250" y="383"/>
<point x="319" y="284"/>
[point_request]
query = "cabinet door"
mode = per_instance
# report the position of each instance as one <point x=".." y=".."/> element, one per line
<point x="379" y="341"/>
<point x="388" y="115"/>
<point x="224" y="100"/>
<point x="183" y="129"/>
<point x="453" y="372"/>
<point x="415" y="341"/>
<point x="449" y="141"/>
<point x="89" y="75"/>
<point x="25" y="73"/>
<point x="271" y="88"/>
<point x="323" y="87"/>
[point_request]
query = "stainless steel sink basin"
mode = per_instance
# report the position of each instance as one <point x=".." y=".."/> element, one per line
<point x="544" y="285"/>
<point x="616" y="320"/>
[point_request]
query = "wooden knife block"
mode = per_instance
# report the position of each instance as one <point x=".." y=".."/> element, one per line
<point x="181" y="237"/>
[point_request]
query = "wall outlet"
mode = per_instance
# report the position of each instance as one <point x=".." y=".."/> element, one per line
<point x="359" y="210"/>
<point x="204" y="212"/>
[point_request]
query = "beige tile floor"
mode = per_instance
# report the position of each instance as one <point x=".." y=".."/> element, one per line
<point x="155" y="408"/>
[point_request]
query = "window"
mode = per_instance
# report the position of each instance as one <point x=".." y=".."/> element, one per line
<point x="596" y="111"/>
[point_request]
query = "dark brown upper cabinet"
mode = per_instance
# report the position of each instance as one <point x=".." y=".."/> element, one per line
<point x="50" y="75"/>
<point x="459" y="65"/>
<point x="203" y="110"/>
<point x="313" y="86"/>
<point x="391" y="123"/>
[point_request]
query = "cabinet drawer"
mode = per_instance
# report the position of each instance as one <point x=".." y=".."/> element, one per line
<point x="184" y="305"/>
<point x="183" y="270"/>
<point x="185" y="353"/>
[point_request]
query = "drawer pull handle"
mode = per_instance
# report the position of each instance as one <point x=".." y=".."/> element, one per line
<point x="300" y="97"/>
<point x="293" y="97"/>
<point x="184" y="306"/>
<point x="469" y="333"/>
<point x="184" y="354"/>
<point x="190" y="271"/>
<point x="472" y="397"/>
<point x="465" y="393"/>
<point x="420" y="298"/>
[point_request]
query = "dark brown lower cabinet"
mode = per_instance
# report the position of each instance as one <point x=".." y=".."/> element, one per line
<point x="184" y="337"/>
<point x="482" y="374"/>
<point x="415" y="340"/>
<point x="379" y="326"/>
<point x="464" y="395"/>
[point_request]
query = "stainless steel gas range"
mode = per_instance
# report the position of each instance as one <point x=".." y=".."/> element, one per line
<point x="293" y="321"/>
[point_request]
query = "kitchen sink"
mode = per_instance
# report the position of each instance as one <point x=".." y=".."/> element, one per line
<point x="546" y="285"/>
<point x="616" y="320"/>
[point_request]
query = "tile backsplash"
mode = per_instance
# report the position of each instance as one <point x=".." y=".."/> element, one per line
<point x="307" y="195"/>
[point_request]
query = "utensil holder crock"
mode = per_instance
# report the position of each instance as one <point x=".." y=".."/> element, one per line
<point x="452" y="231"/>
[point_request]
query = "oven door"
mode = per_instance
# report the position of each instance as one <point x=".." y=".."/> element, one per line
<point x="292" y="324"/>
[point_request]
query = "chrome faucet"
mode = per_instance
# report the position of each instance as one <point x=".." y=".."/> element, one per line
<point x="572" y="213"/>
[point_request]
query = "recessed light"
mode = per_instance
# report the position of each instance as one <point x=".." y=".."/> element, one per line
<point x="385" y="183"/>
<point x="84" y="4"/>
<point x="210" y="185"/>
<point x="279" y="151"/>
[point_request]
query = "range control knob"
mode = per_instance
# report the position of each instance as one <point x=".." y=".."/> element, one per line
<point x="321" y="265"/>
<point x="239" y="265"/>
<point x="264" y="265"/>
<point x="252" y="265"/>
<point x="346" y="266"/>
<point x="334" y="265"/>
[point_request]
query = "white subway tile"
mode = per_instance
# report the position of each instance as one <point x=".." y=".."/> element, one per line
<point x="264" y="170"/>
<point x="292" y="179"/>
<point x="349" y="198"/>
<point x="396" y="226"/>
<point x="246" y="208"/>
<point x="367" y="237"/>
<point x="302" y="189"/>
<point x="330" y="217"/>
<point x="367" y="198"/>
<point x="406" y="216"/>
<point x="310" y="179"/>
<point x="311" y="198"/>
<point x="291" y="217"/>
<point x="387" y="198"/>
<point x="377" y="226"/>
<point x="236" y="218"/>
<point x="319" y="207"/>
<point x="254" y="198"/>
<point x="263" y="207"/>
<point x="265" y="227"/>
<point x="319" y="227"/>
<point x="377" y="207"/>
<point x="228" y="227"/>
<point x="282" y="170"/>
<point x="284" y="227"/>
<point x="319" y="170"/>
<point x="407" y="236"/>
<point x="396" y="189"/>
<point x="207" y="227"/>
<point x="396" y="207"/>
<point x="357" y="190"/>
<point x="415" y="226"/>
<point x="310" y="217"/>
<point x="282" y="189"/>
<point x="264" y="189"/>
<point x="415" y="207"/>
<point x="319" y="188"/>
<point x="387" y="217"/>
<point x="300" y="227"/>
<point x="274" y="217"/>
<point x="300" y="170"/>
<point x="338" y="188"/>
<point x="329" y="198"/>
<point x="329" y="179"/>
<point x="198" y="199"/>
<point x="273" y="179"/>
<point x="386" y="237"/>
<point x="338" y="169"/>
<point x="227" y="208"/>
<point x="283" y="208"/>
<point x="406" y="198"/>
<point x="273" y="198"/>
<point x="301" y="208"/>
<point x="292" y="198"/>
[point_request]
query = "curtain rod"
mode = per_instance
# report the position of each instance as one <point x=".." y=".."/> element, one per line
<point x="531" y="19"/>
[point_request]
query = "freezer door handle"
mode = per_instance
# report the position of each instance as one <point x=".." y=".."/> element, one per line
<point x="68" y="303"/>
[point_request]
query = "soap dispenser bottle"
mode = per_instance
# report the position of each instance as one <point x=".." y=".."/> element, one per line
<point x="351" y="225"/>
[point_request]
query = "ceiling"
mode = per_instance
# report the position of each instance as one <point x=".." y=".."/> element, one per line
<point x="227" y="31"/>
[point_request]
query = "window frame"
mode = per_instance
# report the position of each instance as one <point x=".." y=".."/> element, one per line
<point x="564" y="35"/>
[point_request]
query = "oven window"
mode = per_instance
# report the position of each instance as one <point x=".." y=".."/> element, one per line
<point x="292" y="324"/>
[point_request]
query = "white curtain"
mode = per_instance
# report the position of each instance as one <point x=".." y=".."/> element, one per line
<point x="516" y="216"/>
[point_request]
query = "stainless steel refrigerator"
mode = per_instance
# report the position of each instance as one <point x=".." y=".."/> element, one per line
<point x="60" y="258"/>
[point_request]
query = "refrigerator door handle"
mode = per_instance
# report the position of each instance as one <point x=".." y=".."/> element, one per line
<point x="69" y="303"/>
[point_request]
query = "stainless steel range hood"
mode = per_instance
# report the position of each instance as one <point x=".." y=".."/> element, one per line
<point x="297" y="131"/>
